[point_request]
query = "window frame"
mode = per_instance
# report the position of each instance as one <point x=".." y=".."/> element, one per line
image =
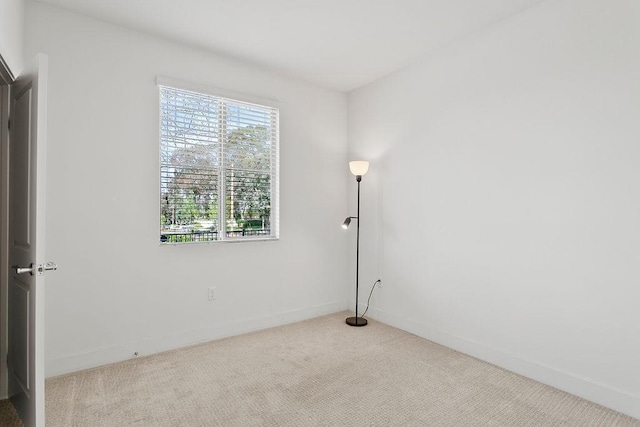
<point x="231" y="96"/>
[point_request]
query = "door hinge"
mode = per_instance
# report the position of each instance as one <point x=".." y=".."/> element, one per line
<point x="8" y="124"/>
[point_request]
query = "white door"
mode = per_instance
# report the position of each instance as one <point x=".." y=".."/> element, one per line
<point x="27" y="135"/>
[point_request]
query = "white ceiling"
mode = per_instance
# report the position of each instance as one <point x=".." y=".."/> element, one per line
<point x="339" y="44"/>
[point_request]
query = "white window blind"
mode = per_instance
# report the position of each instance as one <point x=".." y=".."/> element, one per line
<point x="218" y="168"/>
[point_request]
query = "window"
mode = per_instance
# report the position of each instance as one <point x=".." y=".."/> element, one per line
<point x="218" y="168"/>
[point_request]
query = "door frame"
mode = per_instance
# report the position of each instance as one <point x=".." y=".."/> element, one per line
<point x="6" y="80"/>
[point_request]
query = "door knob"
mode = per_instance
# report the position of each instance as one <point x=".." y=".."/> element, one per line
<point x="50" y="266"/>
<point x="40" y="269"/>
<point x="23" y="270"/>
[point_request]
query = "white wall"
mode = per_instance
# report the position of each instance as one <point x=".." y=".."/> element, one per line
<point x="117" y="290"/>
<point x="505" y="181"/>
<point x="11" y="33"/>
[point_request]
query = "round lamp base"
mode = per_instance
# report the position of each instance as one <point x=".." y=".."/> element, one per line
<point x="356" y="321"/>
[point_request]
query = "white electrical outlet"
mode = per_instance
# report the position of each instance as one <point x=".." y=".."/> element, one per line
<point x="212" y="294"/>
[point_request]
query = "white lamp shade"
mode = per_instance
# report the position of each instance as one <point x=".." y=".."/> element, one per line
<point x="359" y="167"/>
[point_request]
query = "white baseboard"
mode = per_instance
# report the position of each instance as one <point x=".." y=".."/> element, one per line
<point x="581" y="387"/>
<point x="105" y="356"/>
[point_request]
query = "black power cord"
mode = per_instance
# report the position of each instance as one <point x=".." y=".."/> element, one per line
<point x="370" y="293"/>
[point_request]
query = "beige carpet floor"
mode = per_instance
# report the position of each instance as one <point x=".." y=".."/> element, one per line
<point x="319" y="372"/>
<point x="8" y="415"/>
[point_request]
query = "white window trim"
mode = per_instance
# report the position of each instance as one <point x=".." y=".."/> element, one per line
<point x="215" y="91"/>
<point x="237" y="96"/>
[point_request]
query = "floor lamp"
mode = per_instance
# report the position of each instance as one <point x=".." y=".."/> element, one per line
<point x="358" y="168"/>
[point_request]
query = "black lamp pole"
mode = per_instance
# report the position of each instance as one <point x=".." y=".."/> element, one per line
<point x="355" y="320"/>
